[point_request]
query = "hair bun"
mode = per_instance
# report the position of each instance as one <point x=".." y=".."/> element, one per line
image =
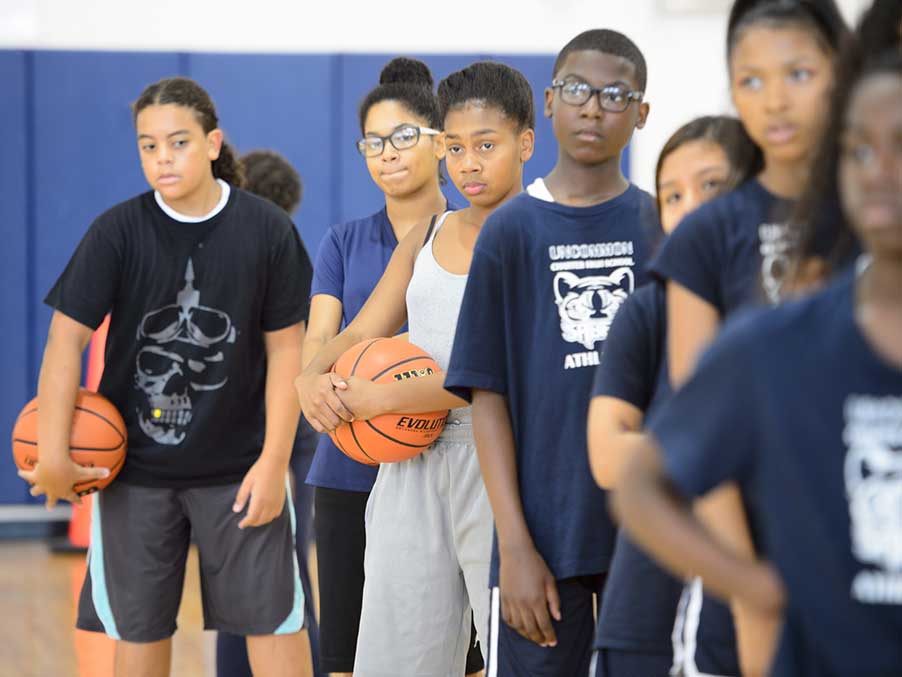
<point x="406" y="71"/>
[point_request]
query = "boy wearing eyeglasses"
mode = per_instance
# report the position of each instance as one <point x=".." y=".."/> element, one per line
<point x="554" y="264"/>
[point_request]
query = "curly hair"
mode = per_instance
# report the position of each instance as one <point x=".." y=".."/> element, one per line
<point x="271" y="176"/>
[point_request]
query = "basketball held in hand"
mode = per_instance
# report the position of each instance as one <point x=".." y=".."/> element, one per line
<point x="390" y="437"/>
<point x="98" y="438"/>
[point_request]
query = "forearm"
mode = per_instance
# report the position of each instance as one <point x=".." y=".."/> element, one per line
<point x="312" y="346"/>
<point x="322" y="361"/>
<point x="57" y="390"/>
<point x="608" y="456"/>
<point x="723" y="514"/>
<point x="498" y="462"/>
<point x="757" y="634"/>
<point x="282" y="407"/>
<point x="420" y="394"/>
<point x="664" y="525"/>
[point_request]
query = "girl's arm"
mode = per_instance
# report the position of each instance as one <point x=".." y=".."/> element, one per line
<point x="664" y="525"/>
<point x="757" y="630"/>
<point x="264" y="483"/>
<point x="365" y="399"/>
<point x="529" y="596"/>
<point x="383" y="314"/>
<point x="614" y="430"/>
<point x="322" y="325"/>
<point x="692" y="325"/>
<point x="56" y="474"/>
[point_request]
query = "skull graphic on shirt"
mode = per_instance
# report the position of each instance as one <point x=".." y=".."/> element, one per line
<point x="182" y="353"/>
<point x="587" y="305"/>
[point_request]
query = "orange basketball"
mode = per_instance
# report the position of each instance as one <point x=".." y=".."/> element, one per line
<point x="390" y="437"/>
<point x="98" y="438"/>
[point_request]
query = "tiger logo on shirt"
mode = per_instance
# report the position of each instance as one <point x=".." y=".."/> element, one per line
<point x="873" y="478"/>
<point x="587" y="305"/>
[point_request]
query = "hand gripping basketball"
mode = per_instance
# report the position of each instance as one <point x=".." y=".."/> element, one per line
<point x="97" y="445"/>
<point x="390" y="437"/>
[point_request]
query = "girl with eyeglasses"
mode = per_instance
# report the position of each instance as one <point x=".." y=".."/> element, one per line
<point x="734" y="252"/>
<point x="401" y="148"/>
<point x="428" y="519"/>
<point x="207" y="317"/>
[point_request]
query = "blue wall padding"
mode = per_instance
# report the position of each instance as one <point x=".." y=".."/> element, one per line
<point x="69" y="153"/>
<point x="14" y="302"/>
<point x="294" y="93"/>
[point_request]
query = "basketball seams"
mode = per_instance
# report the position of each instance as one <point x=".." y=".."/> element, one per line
<point x="357" y="442"/>
<point x="79" y="407"/>
<point x="362" y="353"/>
<point x="100" y="449"/>
<point x="105" y="420"/>
<point x="405" y="361"/>
<point x="396" y="441"/>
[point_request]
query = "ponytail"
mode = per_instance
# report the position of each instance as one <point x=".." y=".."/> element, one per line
<point x="229" y="167"/>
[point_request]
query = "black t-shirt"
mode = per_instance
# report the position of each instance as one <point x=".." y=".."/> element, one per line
<point x="640" y="599"/>
<point x="189" y="305"/>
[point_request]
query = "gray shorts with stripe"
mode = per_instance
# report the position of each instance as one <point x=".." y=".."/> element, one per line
<point x="428" y="551"/>
<point x="136" y="564"/>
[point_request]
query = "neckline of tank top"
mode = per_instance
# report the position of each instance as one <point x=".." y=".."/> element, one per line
<point x="226" y="190"/>
<point x="431" y="251"/>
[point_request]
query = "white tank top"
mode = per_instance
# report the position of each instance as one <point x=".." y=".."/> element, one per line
<point x="433" y="303"/>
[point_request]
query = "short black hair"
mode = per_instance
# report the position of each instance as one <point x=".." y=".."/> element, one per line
<point x="605" y="41"/>
<point x="409" y="82"/>
<point x="821" y="17"/>
<point x="271" y="176"/>
<point x="495" y="85"/>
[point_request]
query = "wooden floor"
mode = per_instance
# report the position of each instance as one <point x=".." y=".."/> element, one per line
<point x="38" y="593"/>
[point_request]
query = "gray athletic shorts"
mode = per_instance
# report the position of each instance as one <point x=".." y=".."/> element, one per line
<point x="428" y="551"/>
<point x="136" y="564"/>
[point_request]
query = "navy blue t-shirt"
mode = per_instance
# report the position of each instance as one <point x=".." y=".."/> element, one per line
<point x="640" y="599"/>
<point x="545" y="283"/>
<point x="807" y="418"/>
<point x="731" y="251"/>
<point x="350" y="262"/>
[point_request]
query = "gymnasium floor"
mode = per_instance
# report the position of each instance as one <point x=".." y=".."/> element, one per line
<point x="38" y="593"/>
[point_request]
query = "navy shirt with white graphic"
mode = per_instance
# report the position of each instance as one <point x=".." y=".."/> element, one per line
<point x="812" y="431"/>
<point x="731" y="251"/>
<point x="545" y="283"/>
<point x="640" y="599"/>
<point x="189" y="304"/>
